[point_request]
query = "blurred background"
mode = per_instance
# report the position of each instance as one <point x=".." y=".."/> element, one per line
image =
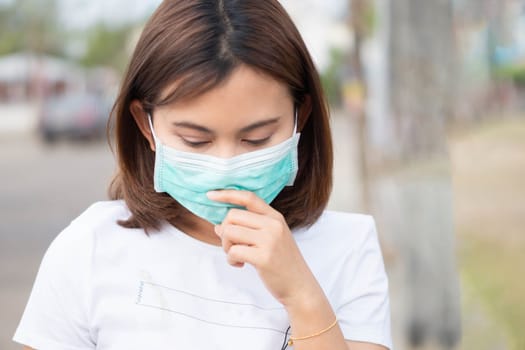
<point x="428" y="110"/>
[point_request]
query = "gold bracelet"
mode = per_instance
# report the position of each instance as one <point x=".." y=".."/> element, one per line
<point x="292" y="339"/>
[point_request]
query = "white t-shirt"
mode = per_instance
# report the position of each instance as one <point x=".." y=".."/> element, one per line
<point x="102" y="286"/>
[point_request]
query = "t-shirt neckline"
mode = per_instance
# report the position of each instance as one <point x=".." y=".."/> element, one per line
<point x="299" y="234"/>
<point x="187" y="239"/>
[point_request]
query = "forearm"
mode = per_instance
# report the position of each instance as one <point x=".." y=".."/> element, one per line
<point x="310" y="315"/>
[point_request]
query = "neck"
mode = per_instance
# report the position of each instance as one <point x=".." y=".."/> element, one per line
<point x="197" y="228"/>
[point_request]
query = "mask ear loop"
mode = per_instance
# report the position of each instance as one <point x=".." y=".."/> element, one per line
<point x="295" y="122"/>
<point x="151" y="128"/>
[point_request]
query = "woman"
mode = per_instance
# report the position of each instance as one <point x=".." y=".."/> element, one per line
<point x="216" y="237"/>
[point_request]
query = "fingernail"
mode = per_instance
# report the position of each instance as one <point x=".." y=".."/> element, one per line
<point x="211" y="194"/>
<point x="218" y="230"/>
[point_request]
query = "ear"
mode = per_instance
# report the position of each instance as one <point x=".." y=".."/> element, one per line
<point x="141" y="119"/>
<point x="305" y="109"/>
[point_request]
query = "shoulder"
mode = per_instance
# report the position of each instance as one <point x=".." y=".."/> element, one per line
<point x="102" y="215"/>
<point x="60" y="302"/>
<point x="79" y="237"/>
<point x="341" y="227"/>
<point x="338" y="220"/>
<point x="345" y="236"/>
<point x="343" y="252"/>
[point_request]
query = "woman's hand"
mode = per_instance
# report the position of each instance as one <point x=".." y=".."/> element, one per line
<point x="260" y="236"/>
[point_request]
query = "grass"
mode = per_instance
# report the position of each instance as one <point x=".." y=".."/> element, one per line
<point x="488" y="166"/>
<point x="494" y="273"/>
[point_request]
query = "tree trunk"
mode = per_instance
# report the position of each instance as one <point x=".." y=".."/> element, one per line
<point x="358" y="25"/>
<point x="412" y="196"/>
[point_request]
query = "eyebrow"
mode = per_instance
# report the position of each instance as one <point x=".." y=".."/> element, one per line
<point x="248" y="128"/>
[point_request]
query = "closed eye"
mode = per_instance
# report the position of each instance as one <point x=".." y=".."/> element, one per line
<point x="257" y="142"/>
<point x="194" y="144"/>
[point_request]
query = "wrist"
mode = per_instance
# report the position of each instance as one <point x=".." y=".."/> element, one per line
<point x="307" y="302"/>
<point x="312" y="319"/>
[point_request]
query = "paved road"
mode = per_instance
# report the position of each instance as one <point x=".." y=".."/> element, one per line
<point x="41" y="190"/>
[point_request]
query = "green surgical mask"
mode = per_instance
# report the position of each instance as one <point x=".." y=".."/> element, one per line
<point x="187" y="176"/>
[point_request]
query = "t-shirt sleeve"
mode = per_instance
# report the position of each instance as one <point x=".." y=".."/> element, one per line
<point x="57" y="314"/>
<point x="364" y="314"/>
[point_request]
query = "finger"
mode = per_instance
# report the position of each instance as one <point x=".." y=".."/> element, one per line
<point x="245" y="218"/>
<point x="234" y="263"/>
<point x="226" y="243"/>
<point x="260" y="225"/>
<point x="234" y="234"/>
<point x="243" y="254"/>
<point x="246" y="199"/>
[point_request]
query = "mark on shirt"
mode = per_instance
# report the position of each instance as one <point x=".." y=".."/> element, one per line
<point x="225" y="313"/>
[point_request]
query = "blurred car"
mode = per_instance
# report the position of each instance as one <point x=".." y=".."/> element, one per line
<point x="74" y="116"/>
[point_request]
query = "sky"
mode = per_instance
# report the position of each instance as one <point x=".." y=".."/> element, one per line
<point x="84" y="12"/>
<point x="321" y="25"/>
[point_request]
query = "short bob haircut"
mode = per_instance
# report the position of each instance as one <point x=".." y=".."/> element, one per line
<point x="198" y="44"/>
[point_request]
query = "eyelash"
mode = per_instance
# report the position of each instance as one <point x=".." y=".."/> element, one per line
<point x="195" y="144"/>
<point x="258" y="142"/>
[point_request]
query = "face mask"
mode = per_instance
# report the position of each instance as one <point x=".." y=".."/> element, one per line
<point x="187" y="176"/>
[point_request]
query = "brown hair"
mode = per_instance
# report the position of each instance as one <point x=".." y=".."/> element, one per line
<point x="198" y="43"/>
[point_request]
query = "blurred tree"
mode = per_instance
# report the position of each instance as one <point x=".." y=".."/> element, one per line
<point x="416" y="177"/>
<point x="361" y="21"/>
<point x="34" y="25"/>
<point x="422" y="58"/>
<point x="107" y="45"/>
<point x="9" y="38"/>
<point x="331" y="77"/>
<point x="30" y="25"/>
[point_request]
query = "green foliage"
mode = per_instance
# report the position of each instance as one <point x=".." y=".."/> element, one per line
<point x="516" y="73"/>
<point x="494" y="269"/>
<point x="489" y="165"/>
<point x="331" y="77"/>
<point x="33" y="25"/>
<point x="9" y="38"/>
<point x="107" y="46"/>
<point x="370" y="19"/>
<point x="30" y="25"/>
